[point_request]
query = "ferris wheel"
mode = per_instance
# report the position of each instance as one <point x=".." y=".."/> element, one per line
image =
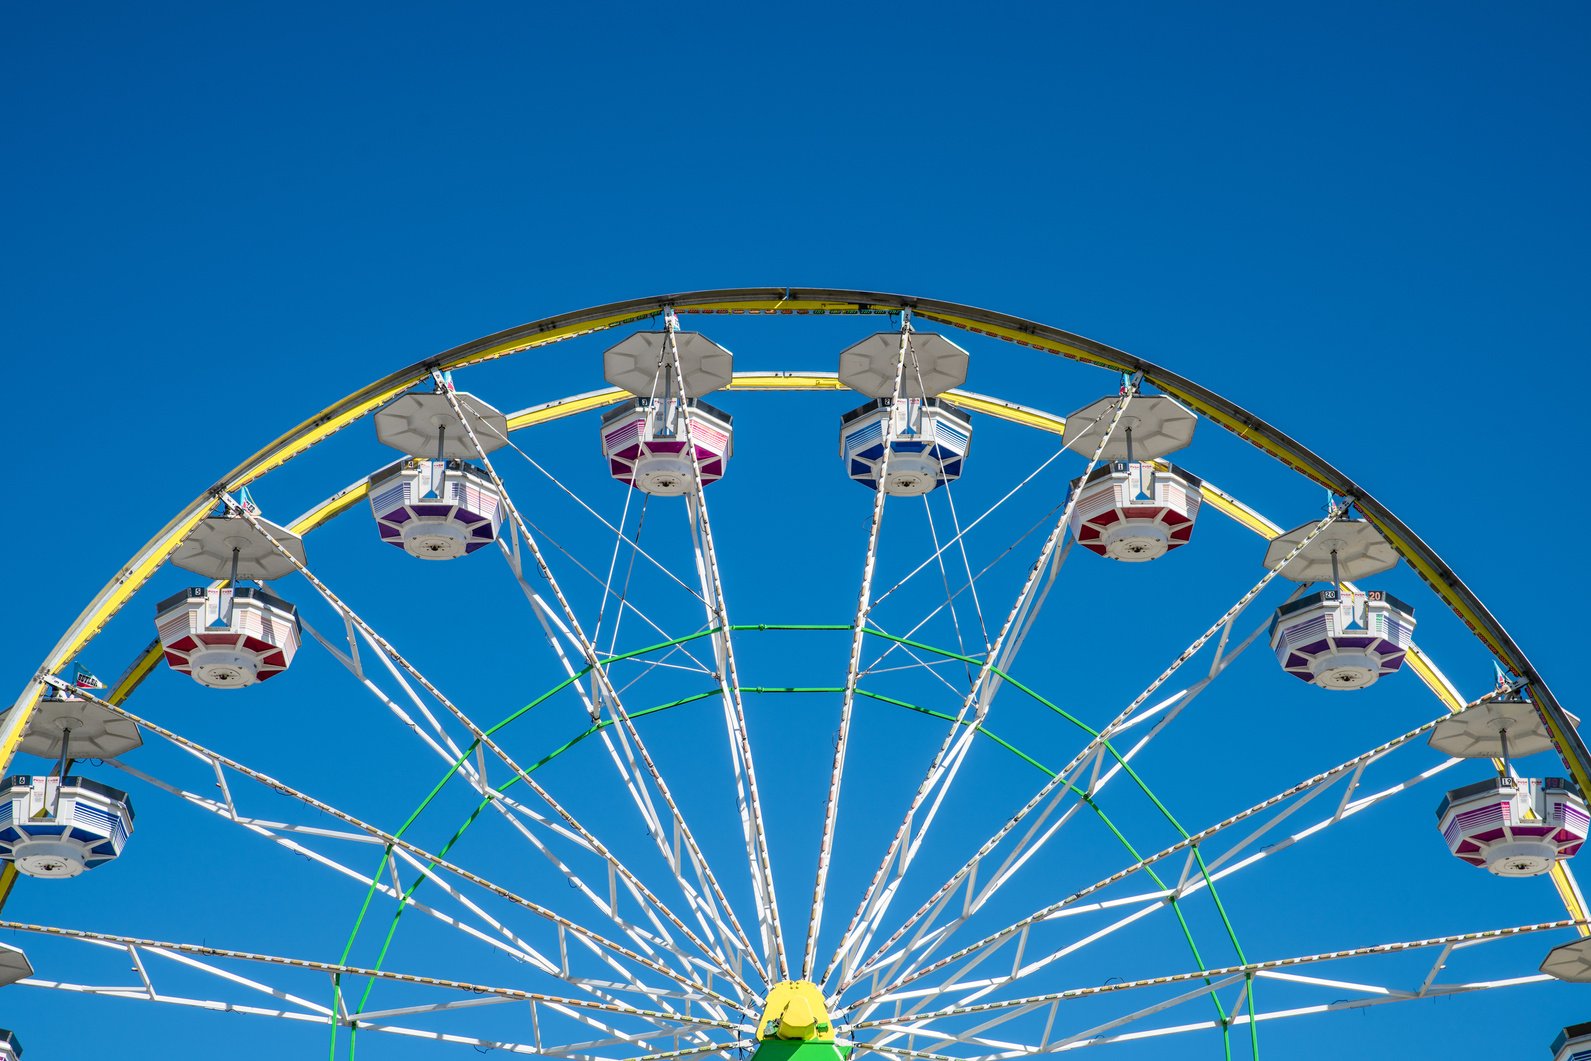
<point x="879" y="687"/>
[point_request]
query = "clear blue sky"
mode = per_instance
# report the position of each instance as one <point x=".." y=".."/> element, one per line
<point x="1366" y="222"/>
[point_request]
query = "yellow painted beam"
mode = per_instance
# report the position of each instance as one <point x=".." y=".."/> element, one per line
<point x="1569" y="893"/>
<point x="1435" y="680"/>
<point x="1022" y="338"/>
<point x="786" y="381"/>
<point x="106" y="604"/>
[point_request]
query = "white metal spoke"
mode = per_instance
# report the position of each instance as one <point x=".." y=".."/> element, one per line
<point x="1374" y="993"/>
<point x="1300" y="793"/>
<point x="623" y="595"/>
<point x="585" y="1010"/>
<point x="707" y="904"/>
<point x="625" y="765"/>
<point x="1062" y="776"/>
<point x="599" y="674"/>
<point x="962" y="532"/>
<point x="538" y="1049"/>
<point x="519" y="950"/>
<point x="982" y="572"/>
<point x="351" y="661"/>
<point x="917" y="665"/>
<point x="510" y="810"/>
<point x="1224" y="623"/>
<point x="604" y="949"/>
<point x="953" y="748"/>
<point x="634" y="544"/>
<point x="914" y="1028"/>
<point x="214" y="970"/>
<point x="1304" y="791"/>
<point x="980" y="934"/>
<point x="658" y="997"/>
<point x="1350" y="809"/>
<point x="1167" y="711"/>
<point x="950" y="596"/>
<point x="921" y="664"/>
<point x="709" y="572"/>
<point x="480" y="736"/>
<point x="1095" y="1036"/>
<point x="966" y="562"/>
<point x="551" y="621"/>
<point x="507" y="808"/>
<point x="978" y="988"/>
<point x="831" y="806"/>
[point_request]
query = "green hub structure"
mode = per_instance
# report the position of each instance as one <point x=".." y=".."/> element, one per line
<point x="795" y="1026"/>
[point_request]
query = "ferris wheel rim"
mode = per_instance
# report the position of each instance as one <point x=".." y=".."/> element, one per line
<point x="340" y="501"/>
<point x="338" y="415"/>
<point x="1423" y="559"/>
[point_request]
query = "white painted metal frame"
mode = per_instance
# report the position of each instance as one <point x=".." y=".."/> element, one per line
<point x="894" y="969"/>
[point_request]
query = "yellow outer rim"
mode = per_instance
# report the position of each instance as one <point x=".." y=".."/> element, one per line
<point x="1420" y="557"/>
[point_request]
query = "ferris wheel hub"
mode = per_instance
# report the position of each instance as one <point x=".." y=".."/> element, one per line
<point x="795" y="1011"/>
<point x="796" y="1021"/>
